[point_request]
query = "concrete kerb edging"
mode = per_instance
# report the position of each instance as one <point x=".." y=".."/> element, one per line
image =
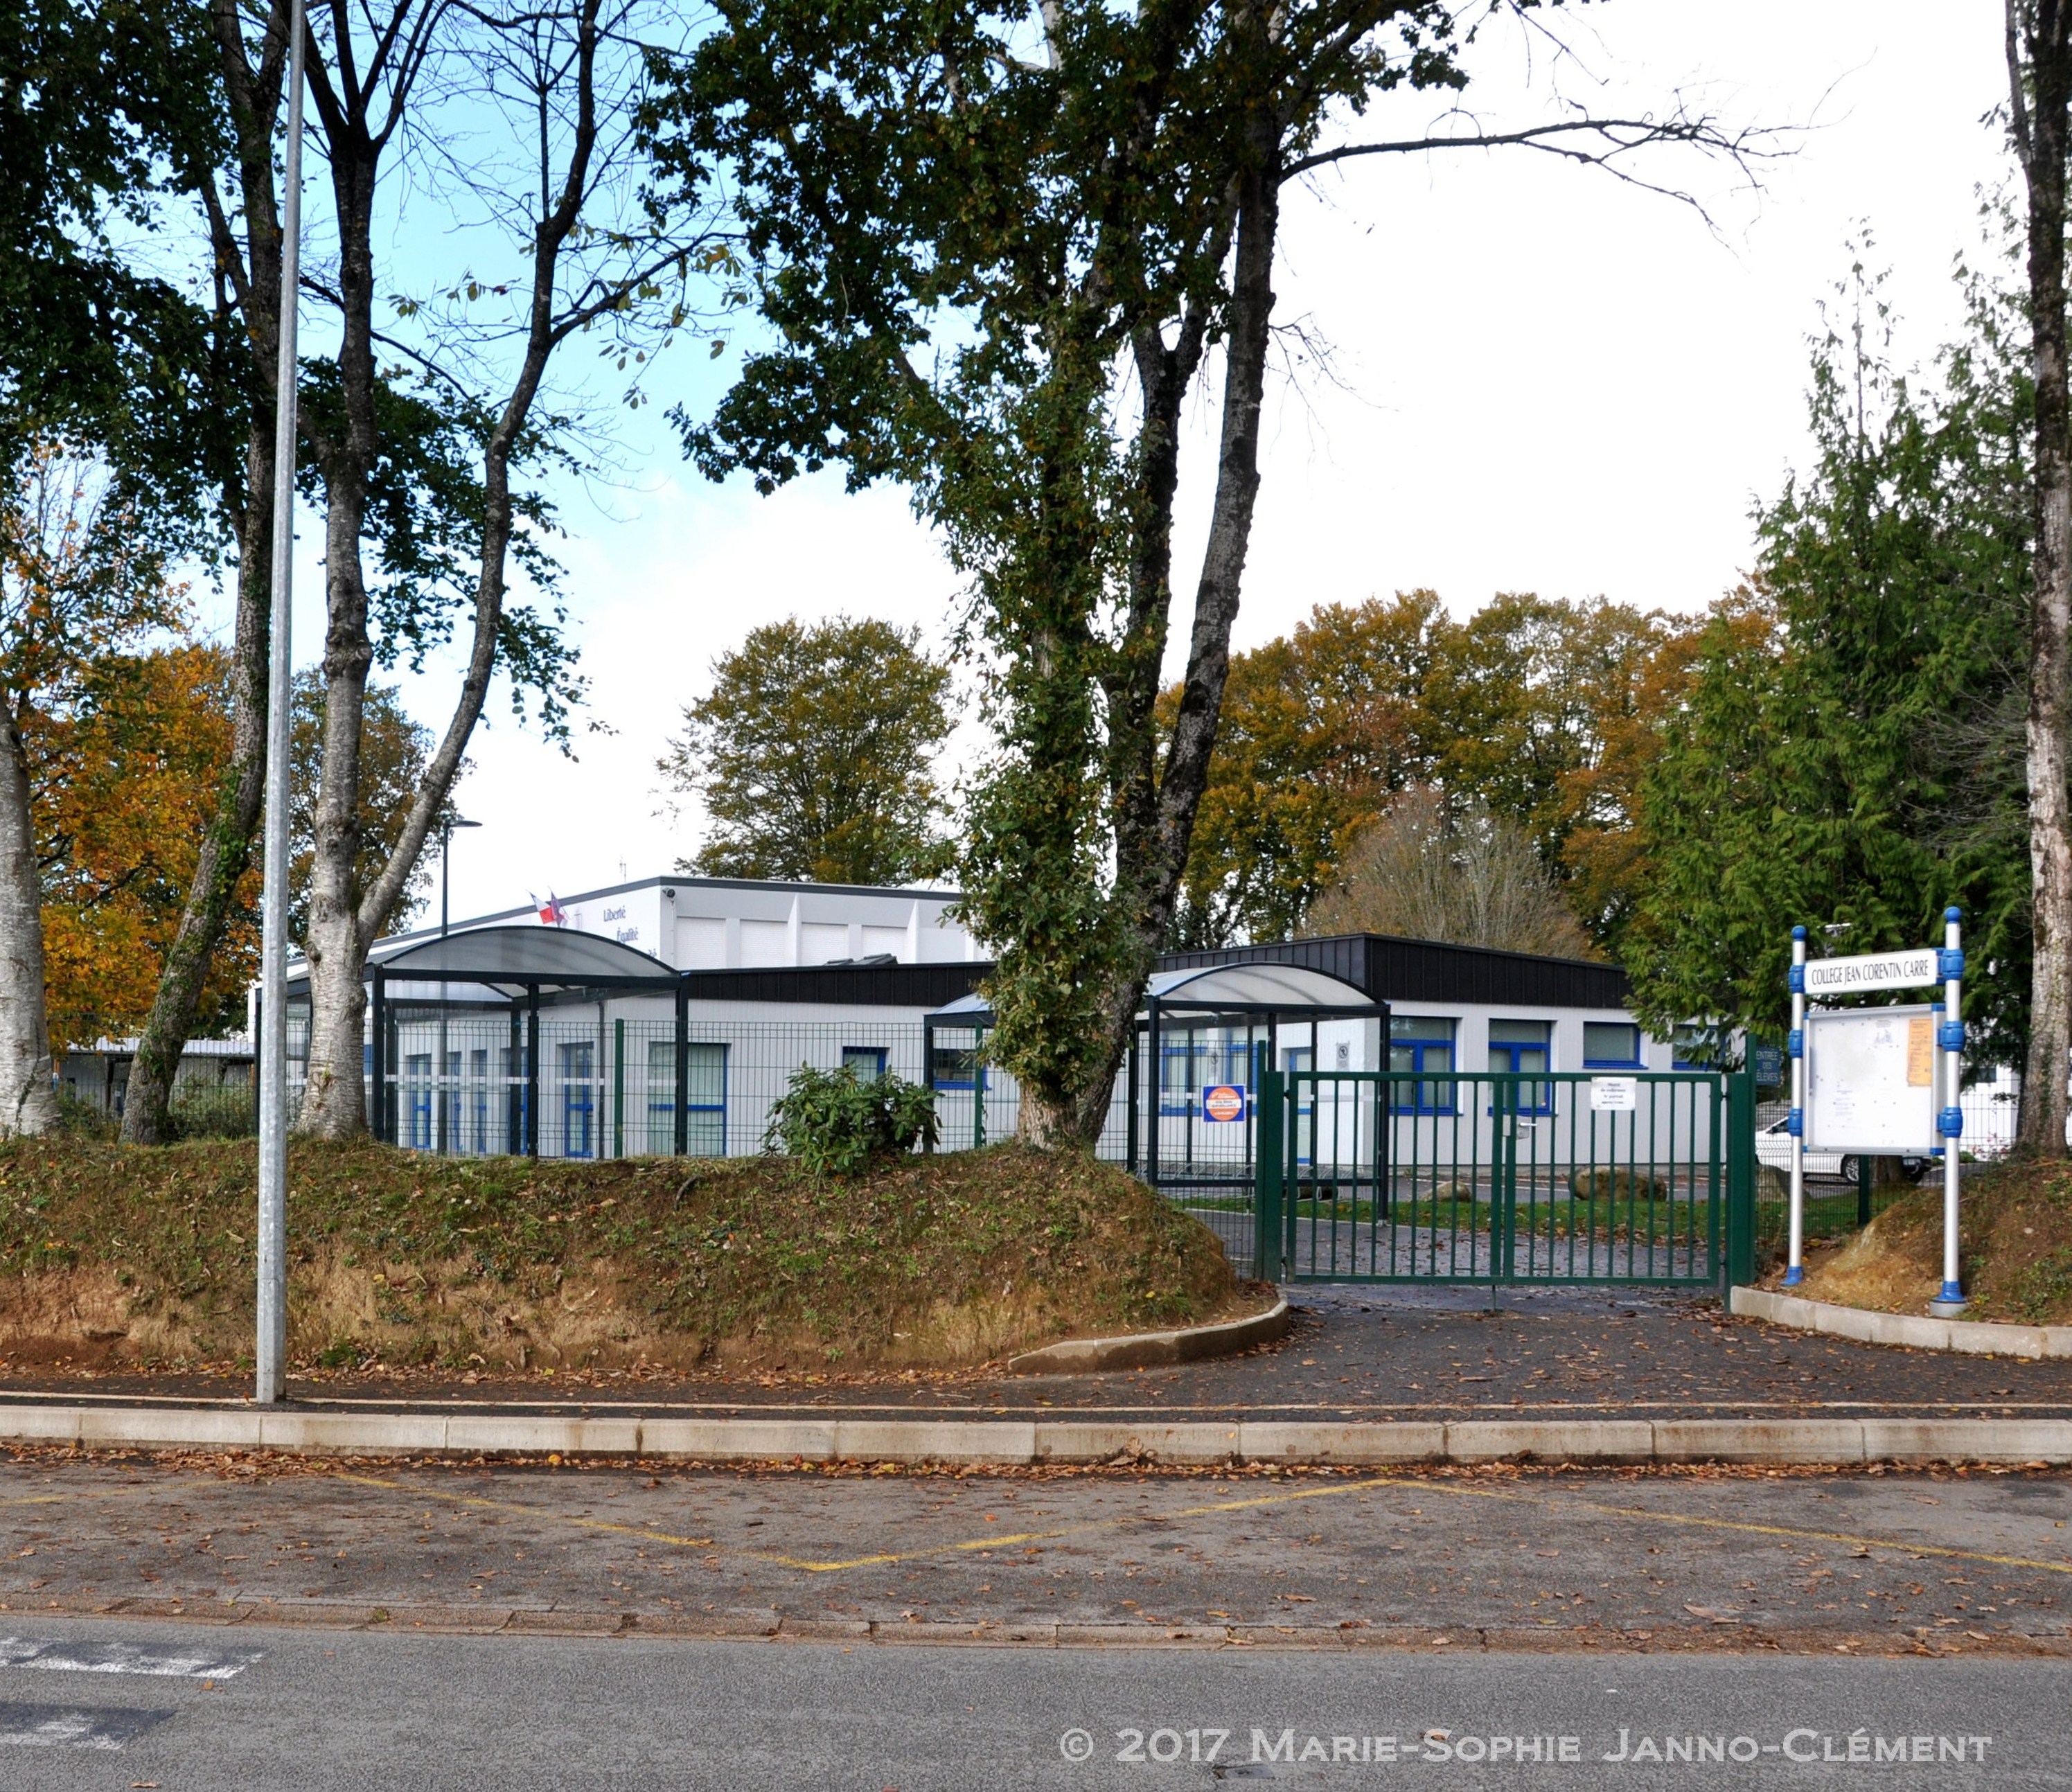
<point x="1970" y="1336"/>
<point x="1147" y="1350"/>
<point x="1778" y="1442"/>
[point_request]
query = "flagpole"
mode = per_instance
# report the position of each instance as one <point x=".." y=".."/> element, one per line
<point x="271" y="1352"/>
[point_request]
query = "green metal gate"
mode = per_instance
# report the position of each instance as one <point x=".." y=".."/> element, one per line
<point x="1493" y="1177"/>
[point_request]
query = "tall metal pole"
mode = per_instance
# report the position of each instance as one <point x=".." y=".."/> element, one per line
<point x="1794" y="1266"/>
<point x="272" y="1343"/>
<point x="1951" y="1121"/>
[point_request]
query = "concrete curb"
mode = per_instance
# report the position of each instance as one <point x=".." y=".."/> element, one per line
<point x="1144" y="1349"/>
<point x="1970" y="1336"/>
<point x="2042" y="1442"/>
<point x="772" y="1627"/>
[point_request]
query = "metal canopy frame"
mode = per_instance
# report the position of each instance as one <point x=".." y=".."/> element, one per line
<point x="1167" y="995"/>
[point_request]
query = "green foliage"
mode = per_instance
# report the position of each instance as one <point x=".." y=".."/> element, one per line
<point x="1542" y="711"/>
<point x="993" y="276"/>
<point x="393" y="750"/>
<point x="812" y="753"/>
<point x="838" y="1123"/>
<point x="1849" y="753"/>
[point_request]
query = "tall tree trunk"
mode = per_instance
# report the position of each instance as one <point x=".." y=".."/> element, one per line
<point x="255" y="95"/>
<point x="335" y="1097"/>
<point x="2040" y="77"/>
<point x="28" y="1102"/>
<point x="1152" y="835"/>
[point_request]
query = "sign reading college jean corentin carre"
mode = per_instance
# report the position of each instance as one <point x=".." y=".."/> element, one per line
<point x="1852" y="976"/>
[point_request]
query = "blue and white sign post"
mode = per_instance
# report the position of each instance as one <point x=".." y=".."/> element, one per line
<point x="1950" y="1122"/>
<point x="1882" y="1080"/>
<point x="1794" y="1043"/>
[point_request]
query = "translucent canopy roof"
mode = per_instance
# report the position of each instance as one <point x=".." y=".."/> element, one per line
<point x="1250" y="987"/>
<point x="507" y="961"/>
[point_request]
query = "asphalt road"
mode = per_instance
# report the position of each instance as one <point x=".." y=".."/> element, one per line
<point x="1647" y="1560"/>
<point x="95" y="1704"/>
<point x="1355" y="1353"/>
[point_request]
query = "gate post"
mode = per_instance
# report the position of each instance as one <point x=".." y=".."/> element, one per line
<point x="1268" y="1168"/>
<point x="1740" y="1264"/>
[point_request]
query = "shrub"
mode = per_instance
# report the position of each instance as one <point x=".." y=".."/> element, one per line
<point x="835" y="1122"/>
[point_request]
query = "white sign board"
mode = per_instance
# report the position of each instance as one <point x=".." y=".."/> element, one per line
<point x="1853" y="976"/>
<point x="1870" y="1076"/>
<point x="1614" y="1095"/>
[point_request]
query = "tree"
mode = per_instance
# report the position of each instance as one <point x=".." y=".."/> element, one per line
<point x="812" y="753"/>
<point x="1432" y="869"/>
<point x="2039" y="58"/>
<point x="1541" y="711"/>
<point x="123" y="780"/>
<point x="995" y="251"/>
<point x="580" y="245"/>
<point x="394" y="748"/>
<point x="1845" y="754"/>
<point x="1320" y="729"/>
<point x="78" y="578"/>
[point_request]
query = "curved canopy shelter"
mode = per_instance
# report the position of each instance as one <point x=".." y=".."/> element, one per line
<point x="463" y="978"/>
<point x="507" y="963"/>
<point x="1202" y="1026"/>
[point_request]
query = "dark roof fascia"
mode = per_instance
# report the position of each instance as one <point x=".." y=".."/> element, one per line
<point x="1390" y="968"/>
<point x="840" y="985"/>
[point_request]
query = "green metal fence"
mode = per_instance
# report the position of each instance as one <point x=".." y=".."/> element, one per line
<point x="1493" y="1177"/>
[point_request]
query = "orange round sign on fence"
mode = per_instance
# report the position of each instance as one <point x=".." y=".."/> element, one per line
<point x="1224" y="1103"/>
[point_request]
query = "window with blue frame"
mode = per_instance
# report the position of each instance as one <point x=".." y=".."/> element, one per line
<point x="517" y="1095"/>
<point x="1198" y="1060"/>
<point x="705" y="1103"/>
<point x="417" y="1101"/>
<point x="1612" y="1046"/>
<point x="1524" y="1048"/>
<point x="578" y="1070"/>
<point x="478" y="1098"/>
<point x="867" y="1062"/>
<point x="956" y="1066"/>
<point x="1694" y="1047"/>
<point x="1421" y="1046"/>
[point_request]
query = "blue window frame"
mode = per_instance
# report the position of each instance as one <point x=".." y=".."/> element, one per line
<point x="1694" y="1047"/>
<point x="1525" y="1048"/>
<point x="705" y="1103"/>
<point x="1195" y="1060"/>
<point x="1612" y="1046"/>
<point x="578" y="1080"/>
<point x="868" y="1061"/>
<point x="956" y="1066"/>
<point x="417" y="1100"/>
<point x="1422" y="1046"/>
<point x="478" y="1098"/>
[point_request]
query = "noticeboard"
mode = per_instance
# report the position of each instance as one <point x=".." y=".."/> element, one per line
<point x="1870" y="1077"/>
<point x="1222" y="1103"/>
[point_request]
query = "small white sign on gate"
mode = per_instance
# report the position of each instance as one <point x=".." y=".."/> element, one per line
<point x="1614" y="1095"/>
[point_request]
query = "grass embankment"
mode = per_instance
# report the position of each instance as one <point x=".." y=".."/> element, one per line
<point x="2015" y="1248"/>
<point x="111" y="1256"/>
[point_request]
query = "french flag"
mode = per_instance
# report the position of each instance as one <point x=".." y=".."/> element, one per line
<point x="552" y="914"/>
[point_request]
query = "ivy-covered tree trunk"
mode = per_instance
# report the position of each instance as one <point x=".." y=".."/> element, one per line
<point x="251" y="272"/>
<point x="2039" y="49"/>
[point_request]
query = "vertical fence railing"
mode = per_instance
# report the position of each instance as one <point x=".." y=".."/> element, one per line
<point x="1498" y="1177"/>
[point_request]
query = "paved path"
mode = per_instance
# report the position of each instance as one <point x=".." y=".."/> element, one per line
<point x="1709" y="1559"/>
<point x="467" y="1714"/>
<point x="1355" y="1353"/>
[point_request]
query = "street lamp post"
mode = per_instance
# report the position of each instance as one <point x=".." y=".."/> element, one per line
<point x="443" y="1082"/>
<point x="269" y="1354"/>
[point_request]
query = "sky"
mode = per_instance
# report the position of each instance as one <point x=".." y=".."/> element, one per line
<point x="1539" y="380"/>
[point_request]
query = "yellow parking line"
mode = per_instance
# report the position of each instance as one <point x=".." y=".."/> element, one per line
<point x="809" y="1565"/>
